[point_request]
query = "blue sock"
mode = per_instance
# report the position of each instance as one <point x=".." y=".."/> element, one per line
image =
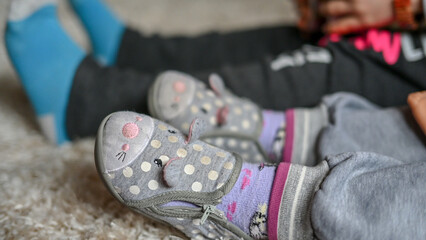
<point x="104" y="29"/>
<point x="45" y="59"/>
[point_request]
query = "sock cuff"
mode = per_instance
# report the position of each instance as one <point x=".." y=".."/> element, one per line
<point x="21" y="9"/>
<point x="302" y="129"/>
<point x="293" y="190"/>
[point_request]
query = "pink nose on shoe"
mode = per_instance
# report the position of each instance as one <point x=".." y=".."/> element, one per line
<point x="179" y="86"/>
<point x="130" y="130"/>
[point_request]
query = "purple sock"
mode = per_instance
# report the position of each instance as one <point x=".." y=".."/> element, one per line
<point x="246" y="205"/>
<point x="273" y="134"/>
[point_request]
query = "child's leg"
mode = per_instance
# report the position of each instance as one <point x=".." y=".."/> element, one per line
<point x="204" y="52"/>
<point x="104" y="28"/>
<point x="114" y="43"/>
<point x="365" y="195"/>
<point x="359" y="65"/>
<point x="345" y="122"/>
<point x="69" y="91"/>
<point x="232" y="123"/>
<point x="45" y="58"/>
<point x="159" y="172"/>
<point x="143" y="159"/>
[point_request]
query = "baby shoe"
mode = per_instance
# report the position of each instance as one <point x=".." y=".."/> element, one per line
<point x="163" y="174"/>
<point x="232" y="123"/>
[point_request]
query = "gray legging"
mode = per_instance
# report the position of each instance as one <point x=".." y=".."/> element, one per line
<point x="371" y="185"/>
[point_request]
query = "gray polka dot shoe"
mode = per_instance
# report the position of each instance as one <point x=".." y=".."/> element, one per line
<point x="232" y="123"/>
<point x="163" y="174"/>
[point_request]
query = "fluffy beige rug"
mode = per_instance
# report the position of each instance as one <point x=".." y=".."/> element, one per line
<point x="49" y="192"/>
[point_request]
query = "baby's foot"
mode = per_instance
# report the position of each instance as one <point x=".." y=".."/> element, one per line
<point x="200" y="189"/>
<point x="46" y="59"/>
<point x="233" y="123"/>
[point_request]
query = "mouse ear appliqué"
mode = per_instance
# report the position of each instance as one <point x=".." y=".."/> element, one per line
<point x="197" y="128"/>
<point x="217" y="85"/>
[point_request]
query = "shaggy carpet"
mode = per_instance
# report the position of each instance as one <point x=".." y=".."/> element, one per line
<point x="49" y="192"/>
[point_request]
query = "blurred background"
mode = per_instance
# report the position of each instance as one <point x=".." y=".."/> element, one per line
<point x="172" y="17"/>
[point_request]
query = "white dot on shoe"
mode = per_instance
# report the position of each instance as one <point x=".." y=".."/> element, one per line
<point x="232" y="143"/>
<point x="197" y="147"/>
<point x="194" y="109"/>
<point x="189" y="169"/>
<point x="134" y="190"/>
<point x="244" y="145"/>
<point x="153" y="185"/>
<point x="255" y="117"/>
<point x="233" y="129"/>
<point x="207" y="106"/>
<point x="195" y="231"/>
<point x="213" y="120"/>
<point x="213" y="175"/>
<point x="146" y="166"/>
<point x="210" y="93"/>
<point x="221" y="154"/>
<point x="164" y="159"/>
<point x="196" y="222"/>
<point x="219" y="142"/>
<point x="162" y="127"/>
<point x="199" y="237"/>
<point x="218" y="103"/>
<point x="246" y="124"/>
<point x="200" y="95"/>
<point x="127" y="172"/>
<point x="211" y="235"/>
<point x="180" y="227"/>
<point x="228" y="165"/>
<point x="181" y="153"/>
<point x="238" y="111"/>
<point x="155" y="144"/>
<point x="172" y="139"/>
<point x="197" y="186"/>
<point x="206" y="160"/>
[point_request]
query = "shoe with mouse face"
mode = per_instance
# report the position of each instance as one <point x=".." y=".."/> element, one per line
<point x="161" y="173"/>
<point x="232" y="123"/>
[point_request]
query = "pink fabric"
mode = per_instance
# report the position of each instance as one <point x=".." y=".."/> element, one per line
<point x="276" y="199"/>
<point x="246" y="178"/>
<point x="231" y="210"/>
<point x="381" y="41"/>
<point x="130" y="130"/>
<point x="289" y="138"/>
<point x="222" y="115"/>
<point x="125" y="147"/>
<point x="179" y="86"/>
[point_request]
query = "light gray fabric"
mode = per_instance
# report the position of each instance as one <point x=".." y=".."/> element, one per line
<point x="178" y="98"/>
<point x="379" y="194"/>
<point x="371" y="196"/>
<point x="294" y="217"/>
<point x="160" y="172"/>
<point x="164" y="156"/>
<point x="353" y="124"/>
